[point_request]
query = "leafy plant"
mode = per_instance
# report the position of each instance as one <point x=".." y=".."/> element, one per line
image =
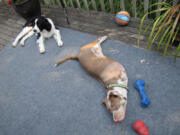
<point x="165" y="27"/>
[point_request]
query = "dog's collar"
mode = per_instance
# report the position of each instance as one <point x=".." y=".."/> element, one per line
<point x="117" y="85"/>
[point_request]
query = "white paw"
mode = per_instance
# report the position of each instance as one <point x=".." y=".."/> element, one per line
<point x="60" y="43"/>
<point x="42" y="50"/>
<point x="14" y="44"/>
<point x="22" y="43"/>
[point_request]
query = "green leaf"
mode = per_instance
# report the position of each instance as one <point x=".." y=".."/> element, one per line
<point x="147" y="27"/>
<point x="177" y="31"/>
<point x="160" y="30"/>
<point x="142" y="20"/>
<point x="160" y="3"/>
<point x="158" y="10"/>
<point x="152" y="32"/>
<point x="140" y="28"/>
<point x="172" y="32"/>
<point x="177" y="51"/>
<point x="163" y="36"/>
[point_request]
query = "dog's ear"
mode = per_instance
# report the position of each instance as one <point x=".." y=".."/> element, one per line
<point x="30" y="22"/>
<point x="43" y="23"/>
<point x="104" y="101"/>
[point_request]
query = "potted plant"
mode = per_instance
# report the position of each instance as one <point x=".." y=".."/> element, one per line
<point x="165" y="28"/>
<point x="26" y="8"/>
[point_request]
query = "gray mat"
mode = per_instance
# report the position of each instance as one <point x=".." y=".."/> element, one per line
<point x="38" y="99"/>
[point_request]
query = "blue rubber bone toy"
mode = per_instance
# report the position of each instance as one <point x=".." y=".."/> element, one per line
<point x="139" y="85"/>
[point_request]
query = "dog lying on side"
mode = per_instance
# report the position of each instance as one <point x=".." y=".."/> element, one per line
<point x="109" y="72"/>
<point x="43" y="28"/>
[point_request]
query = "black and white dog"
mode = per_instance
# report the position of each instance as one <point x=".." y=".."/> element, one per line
<point x="43" y="28"/>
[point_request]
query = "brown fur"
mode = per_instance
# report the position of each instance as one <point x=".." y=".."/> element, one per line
<point x="98" y="67"/>
<point x="104" y="69"/>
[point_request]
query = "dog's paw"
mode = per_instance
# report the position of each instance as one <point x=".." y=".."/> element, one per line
<point x="60" y="43"/>
<point x="22" y="44"/>
<point x="14" y="44"/>
<point x="42" y="50"/>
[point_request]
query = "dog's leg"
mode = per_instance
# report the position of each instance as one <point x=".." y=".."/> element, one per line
<point x="21" y="34"/>
<point x="26" y="37"/>
<point x="96" y="49"/>
<point x="40" y="41"/>
<point x="101" y="39"/>
<point x="57" y="36"/>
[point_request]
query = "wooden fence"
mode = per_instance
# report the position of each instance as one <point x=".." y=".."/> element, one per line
<point x="106" y="5"/>
<point x="103" y="5"/>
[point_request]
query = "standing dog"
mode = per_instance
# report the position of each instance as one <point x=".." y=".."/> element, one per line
<point x="109" y="72"/>
<point x="43" y="28"/>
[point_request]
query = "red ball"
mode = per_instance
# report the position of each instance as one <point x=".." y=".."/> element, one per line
<point x="140" y="128"/>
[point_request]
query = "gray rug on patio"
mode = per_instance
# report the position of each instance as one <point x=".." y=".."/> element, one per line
<point x="38" y="99"/>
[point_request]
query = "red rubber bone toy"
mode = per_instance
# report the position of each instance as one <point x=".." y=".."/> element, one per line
<point x="140" y="128"/>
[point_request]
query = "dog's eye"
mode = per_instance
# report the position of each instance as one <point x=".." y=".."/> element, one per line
<point x="115" y="96"/>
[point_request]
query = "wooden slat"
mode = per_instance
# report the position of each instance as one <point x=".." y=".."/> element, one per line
<point x="94" y="4"/>
<point x="175" y="2"/>
<point x="158" y="7"/>
<point x="122" y="5"/>
<point x="78" y="3"/>
<point x="71" y="3"/>
<point x="86" y="4"/>
<point x="134" y="8"/>
<point x="111" y="5"/>
<point x="102" y="5"/>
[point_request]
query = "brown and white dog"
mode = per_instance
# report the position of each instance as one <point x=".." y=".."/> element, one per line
<point x="109" y="72"/>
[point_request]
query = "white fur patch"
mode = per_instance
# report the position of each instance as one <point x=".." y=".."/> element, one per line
<point x="119" y="90"/>
<point x="97" y="50"/>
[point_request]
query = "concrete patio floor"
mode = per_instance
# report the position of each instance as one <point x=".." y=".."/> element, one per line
<point x="38" y="99"/>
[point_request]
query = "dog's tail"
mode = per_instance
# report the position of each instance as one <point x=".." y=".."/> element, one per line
<point x="73" y="57"/>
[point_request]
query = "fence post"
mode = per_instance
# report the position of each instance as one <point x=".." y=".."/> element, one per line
<point x="134" y="8"/>
<point x="52" y="2"/>
<point x="122" y="5"/>
<point x="71" y="3"/>
<point x="65" y="3"/>
<point x="59" y="3"/>
<point x="146" y="6"/>
<point x="158" y="7"/>
<point x="78" y="4"/>
<point x="102" y="5"/>
<point x="86" y="4"/>
<point x="111" y="5"/>
<point x="94" y="4"/>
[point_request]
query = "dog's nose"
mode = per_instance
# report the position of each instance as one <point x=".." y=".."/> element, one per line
<point x="35" y="31"/>
<point x="116" y="120"/>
